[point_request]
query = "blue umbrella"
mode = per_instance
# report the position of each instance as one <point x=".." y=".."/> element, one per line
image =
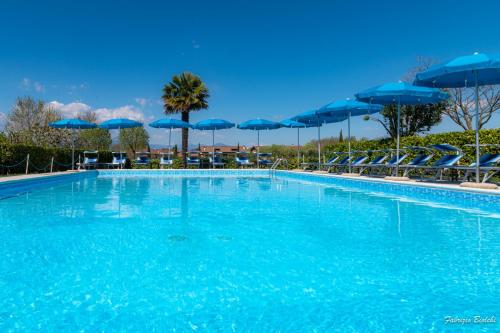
<point x="401" y="93"/>
<point x="258" y="125"/>
<point x="119" y="123"/>
<point x="72" y="124"/>
<point x="316" y="119"/>
<point x="170" y="123"/>
<point x="213" y="125"/>
<point x="350" y="108"/>
<point x="467" y="71"/>
<point x="290" y="123"/>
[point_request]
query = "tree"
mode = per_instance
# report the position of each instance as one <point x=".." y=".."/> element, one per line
<point x="28" y="123"/>
<point x="185" y="93"/>
<point x="462" y="106"/>
<point x="414" y="118"/>
<point x="95" y="138"/>
<point x="134" y="139"/>
<point x="341" y="137"/>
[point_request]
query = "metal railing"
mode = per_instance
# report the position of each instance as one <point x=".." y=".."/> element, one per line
<point x="28" y="166"/>
<point x="274" y="166"/>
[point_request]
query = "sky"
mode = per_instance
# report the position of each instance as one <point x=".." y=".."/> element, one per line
<point x="259" y="59"/>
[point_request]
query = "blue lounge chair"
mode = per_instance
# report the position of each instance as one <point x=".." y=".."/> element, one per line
<point x="378" y="160"/>
<point x="143" y="159"/>
<point x="337" y="165"/>
<point x="331" y="162"/>
<point x="217" y="160"/>
<point x="242" y="160"/>
<point x="193" y="159"/>
<point x="488" y="165"/>
<point x="450" y="157"/>
<point x="119" y="160"/>
<point x="424" y="155"/>
<point x="356" y="160"/>
<point x="90" y="158"/>
<point x="394" y="162"/>
<point x="264" y="159"/>
<point x="166" y="160"/>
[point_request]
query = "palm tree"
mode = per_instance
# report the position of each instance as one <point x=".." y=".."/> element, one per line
<point x="184" y="94"/>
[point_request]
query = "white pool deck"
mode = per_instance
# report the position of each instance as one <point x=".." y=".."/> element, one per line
<point x="412" y="182"/>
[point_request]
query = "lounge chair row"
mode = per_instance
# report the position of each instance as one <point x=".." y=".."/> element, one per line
<point x="385" y="162"/>
<point x="242" y="159"/>
<point x="90" y="160"/>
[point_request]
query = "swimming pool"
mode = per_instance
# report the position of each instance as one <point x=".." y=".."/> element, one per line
<point x="244" y="253"/>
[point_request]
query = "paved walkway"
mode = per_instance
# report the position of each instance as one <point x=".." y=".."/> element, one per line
<point x="34" y="176"/>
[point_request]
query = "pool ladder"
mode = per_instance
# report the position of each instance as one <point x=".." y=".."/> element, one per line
<point x="272" y="169"/>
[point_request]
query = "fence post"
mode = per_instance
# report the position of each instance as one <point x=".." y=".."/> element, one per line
<point x="51" y="164"/>
<point x="27" y="163"/>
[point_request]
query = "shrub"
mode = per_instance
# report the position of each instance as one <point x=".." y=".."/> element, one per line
<point x="40" y="158"/>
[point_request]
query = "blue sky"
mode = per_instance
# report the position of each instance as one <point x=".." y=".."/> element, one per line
<point x="259" y="58"/>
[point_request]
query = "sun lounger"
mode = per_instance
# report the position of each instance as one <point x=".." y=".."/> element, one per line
<point x="337" y="165"/>
<point x="193" y="159"/>
<point x="451" y="157"/>
<point x="242" y="160"/>
<point x="356" y="161"/>
<point x="264" y="159"/>
<point x="119" y="160"/>
<point x="216" y="160"/>
<point x="166" y="160"/>
<point x="393" y="162"/>
<point x="332" y="161"/>
<point x="378" y="160"/>
<point x="90" y="158"/>
<point x="423" y="157"/>
<point x="488" y="165"/>
<point x="143" y="159"/>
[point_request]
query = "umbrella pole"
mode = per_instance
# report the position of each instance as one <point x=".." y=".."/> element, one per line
<point x="319" y="147"/>
<point x="213" y="149"/>
<point x="169" y="145"/>
<point x="258" y="149"/>
<point x="120" y="147"/>
<point x="349" y="138"/>
<point x="397" y="140"/>
<point x="73" y="149"/>
<point x="298" y="147"/>
<point x="477" y="129"/>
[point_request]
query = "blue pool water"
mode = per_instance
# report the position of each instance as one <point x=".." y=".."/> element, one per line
<point x="241" y="255"/>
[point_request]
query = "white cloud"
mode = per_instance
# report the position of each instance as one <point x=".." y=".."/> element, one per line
<point x="126" y="111"/>
<point x="28" y="84"/>
<point x="25" y="83"/>
<point x="72" y="110"/>
<point x="38" y="87"/>
<point x="141" y="101"/>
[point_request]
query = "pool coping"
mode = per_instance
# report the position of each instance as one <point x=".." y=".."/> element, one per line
<point x="21" y="178"/>
<point x="451" y="187"/>
<point x="415" y="183"/>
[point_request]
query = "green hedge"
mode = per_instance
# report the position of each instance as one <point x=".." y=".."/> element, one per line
<point x="458" y="139"/>
<point x="40" y="158"/>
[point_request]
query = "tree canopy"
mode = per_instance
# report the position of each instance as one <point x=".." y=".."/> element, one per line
<point x="28" y="123"/>
<point x="185" y="93"/>
<point x="134" y="139"/>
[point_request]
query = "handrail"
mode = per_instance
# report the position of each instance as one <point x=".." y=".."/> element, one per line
<point x="272" y="169"/>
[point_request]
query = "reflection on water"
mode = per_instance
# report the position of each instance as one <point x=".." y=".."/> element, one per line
<point x="128" y="253"/>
